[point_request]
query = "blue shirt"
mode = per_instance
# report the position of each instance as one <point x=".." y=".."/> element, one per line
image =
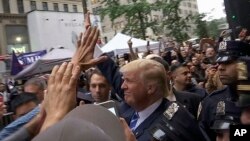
<point x="18" y="123"/>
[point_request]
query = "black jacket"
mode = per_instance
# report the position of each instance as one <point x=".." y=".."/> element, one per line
<point x="189" y="100"/>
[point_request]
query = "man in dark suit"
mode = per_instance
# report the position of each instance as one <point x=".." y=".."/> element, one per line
<point x="189" y="100"/>
<point x="144" y="85"/>
<point x="99" y="89"/>
<point x="144" y="88"/>
<point x="143" y="131"/>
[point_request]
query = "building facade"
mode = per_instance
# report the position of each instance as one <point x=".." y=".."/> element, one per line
<point x="109" y="29"/>
<point x="13" y="20"/>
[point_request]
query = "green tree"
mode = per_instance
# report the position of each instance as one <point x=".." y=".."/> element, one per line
<point x="138" y="17"/>
<point x="213" y="27"/>
<point x="201" y="26"/>
<point x="173" y="24"/>
<point x="136" y="13"/>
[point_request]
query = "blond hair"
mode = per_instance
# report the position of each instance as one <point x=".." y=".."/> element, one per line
<point x="149" y="71"/>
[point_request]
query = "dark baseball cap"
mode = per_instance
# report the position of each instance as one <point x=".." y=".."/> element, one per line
<point x="89" y="123"/>
<point x="231" y="50"/>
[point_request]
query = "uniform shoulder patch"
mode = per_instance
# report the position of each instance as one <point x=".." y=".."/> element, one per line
<point x="220" y="109"/>
<point x="170" y="112"/>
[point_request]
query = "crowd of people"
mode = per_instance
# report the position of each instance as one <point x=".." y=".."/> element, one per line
<point x="181" y="93"/>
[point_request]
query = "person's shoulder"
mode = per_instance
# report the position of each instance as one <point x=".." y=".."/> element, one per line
<point x="189" y="94"/>
<point x="217" y="92"/>
<point x="200" y="89"/>
<point x="210" y="99"/>
<point x="175" y="113"/>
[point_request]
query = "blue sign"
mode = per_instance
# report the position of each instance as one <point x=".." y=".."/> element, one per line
<point x="28" y="58"/>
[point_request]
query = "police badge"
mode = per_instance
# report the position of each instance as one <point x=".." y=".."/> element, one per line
<point x="220" y="110"/>
<point x="172" y="109"/>
<point x="223" y="46"/>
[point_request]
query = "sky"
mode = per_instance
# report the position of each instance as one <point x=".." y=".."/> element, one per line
<point x="215" y="8"/>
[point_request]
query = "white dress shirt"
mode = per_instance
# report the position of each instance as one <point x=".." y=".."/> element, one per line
<point x="147" y="112"/>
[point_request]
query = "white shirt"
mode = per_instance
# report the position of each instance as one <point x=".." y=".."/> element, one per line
<point x="147" y="112"/>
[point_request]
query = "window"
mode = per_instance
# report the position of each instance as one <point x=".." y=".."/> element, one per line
<point x="56" y="8"/>
<point x="184" y="4"/>
<point x="65" y="6"/>
<point x="156" y="18"/>
<point x="189" y="4"/>
<point x="17" y="38"/>
<point x="180" y="11"/>
<point x="186" y="12"/>
<point x="6" y="6"/>
<point x="33" y="5"/>
<point x="45" y="6"/>
<point x="195" y="6"/>
<point x="75" y="8"/>
<point x="190" y="12"/>
<point x="20" y="6"/>
<point x="96" y="10"/>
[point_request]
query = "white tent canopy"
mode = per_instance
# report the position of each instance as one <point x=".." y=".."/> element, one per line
<point x="46" y="63"/>
<point x="119" y="44"/>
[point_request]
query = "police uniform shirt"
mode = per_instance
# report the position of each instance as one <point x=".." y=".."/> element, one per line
<point x="207" y="112"/>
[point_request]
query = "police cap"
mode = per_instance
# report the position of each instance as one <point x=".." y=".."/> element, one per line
<point x="231" y="50"/>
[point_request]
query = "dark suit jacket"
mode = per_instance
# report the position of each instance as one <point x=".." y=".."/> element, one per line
<point x="196" y="90"/>
<point x="184" y="124"/>
<point x="189" y="100"/>
<point x="142" y="132"/>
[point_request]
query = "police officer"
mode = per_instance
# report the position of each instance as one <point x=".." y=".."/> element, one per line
<point x="228" y="53"/>
<point x="223" y="120"/>
<point x="175" y="125"/>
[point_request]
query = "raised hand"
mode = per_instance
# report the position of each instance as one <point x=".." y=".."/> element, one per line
<point x="60" y="97"/>
<point x="134" y="56"/>
<point x="86" y="47"/>
<point x="87" y="22"/>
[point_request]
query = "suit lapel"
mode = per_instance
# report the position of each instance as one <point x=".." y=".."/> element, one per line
<point x="126" y="112"/>
<point x="148" y="122"/>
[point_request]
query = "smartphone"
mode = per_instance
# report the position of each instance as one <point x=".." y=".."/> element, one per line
<point x="111" y="106"/>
